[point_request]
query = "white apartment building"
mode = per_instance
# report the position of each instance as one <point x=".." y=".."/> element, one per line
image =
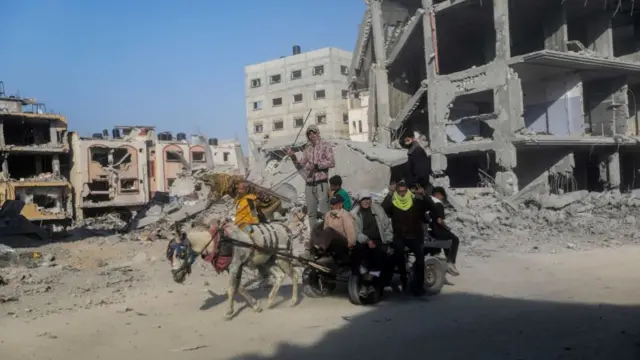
<point x="280" y="93"/>
<point x="359" y="117"/>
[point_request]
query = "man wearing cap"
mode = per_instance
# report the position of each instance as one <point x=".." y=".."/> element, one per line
<point x="317" y="159"/>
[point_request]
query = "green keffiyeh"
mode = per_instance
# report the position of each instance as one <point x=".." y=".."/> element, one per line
<point x="403" y="202"/>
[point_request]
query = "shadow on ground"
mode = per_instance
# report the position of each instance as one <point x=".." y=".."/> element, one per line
<point x="468" y="326"/>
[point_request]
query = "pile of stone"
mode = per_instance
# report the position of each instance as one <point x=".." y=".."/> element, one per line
<point x="361" y="166"/>
<point x="576" y="220"/>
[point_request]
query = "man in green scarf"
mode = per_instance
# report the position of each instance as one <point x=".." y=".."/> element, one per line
<point x="407" y="213"/>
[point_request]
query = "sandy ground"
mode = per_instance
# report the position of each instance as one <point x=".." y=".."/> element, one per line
<point x="572" y="305"/>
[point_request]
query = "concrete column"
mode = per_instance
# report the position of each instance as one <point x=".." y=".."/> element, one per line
<point x="437" y="135"/>
<point x="382" y="78"/>
<point x="555" y="28"/>
<point x="613" y="171"/>
<point x="5" y="166"/>
<point x="2" y="143"/>
<point x="501" y="24"/>
<point x="600" y="34"/>
<point x="53" y="134"/>
<point x="55" y="164"/>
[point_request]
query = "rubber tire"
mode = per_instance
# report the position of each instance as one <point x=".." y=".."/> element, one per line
<point x="353" y="287"/>
<point x="433" y="268"/>
<point x="311" y="284"/>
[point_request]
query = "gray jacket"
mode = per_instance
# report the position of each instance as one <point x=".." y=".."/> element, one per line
<point x="383" y="221"/>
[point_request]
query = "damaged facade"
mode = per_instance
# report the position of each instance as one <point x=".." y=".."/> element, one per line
<point x="34" y="152"/>
<point x="123" y="170"/>
<point x="534" y="94"/>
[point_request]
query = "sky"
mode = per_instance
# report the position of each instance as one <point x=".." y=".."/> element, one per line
<point x="176" y="65"/>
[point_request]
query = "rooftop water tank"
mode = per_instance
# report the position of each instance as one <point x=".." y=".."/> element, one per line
<point x="96" y="136"/>
<point x="115" y="133"/>
<point x="181" y="136"/>
<point x="296" y="50"/>
<point x="213" y="141"/>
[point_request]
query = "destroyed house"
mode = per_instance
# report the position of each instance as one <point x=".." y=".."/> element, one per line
<point x="34" y="152"/>
<point x="520" y="93"/>
<point x="110" y="172"/>
<point x="122" y="169"/>
<point x="170" y="155"/>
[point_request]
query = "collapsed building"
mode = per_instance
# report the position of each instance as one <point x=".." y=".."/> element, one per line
<point x="34" y="152"/>
<point x="534" y="94"/>
<point x="122" y="170"/>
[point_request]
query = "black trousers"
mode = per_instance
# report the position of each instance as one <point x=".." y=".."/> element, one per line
<point x="444" y="234"/>
<point x="416" y="246"/>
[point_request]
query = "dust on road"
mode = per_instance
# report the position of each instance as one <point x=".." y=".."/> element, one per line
<point x="573" y="305"/>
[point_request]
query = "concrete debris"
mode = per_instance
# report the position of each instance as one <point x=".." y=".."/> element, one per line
<point x="579" y="219"/>
<point x="8" y="256"/>
<point x="12" y="222"/>
<point x="361" y="165"/>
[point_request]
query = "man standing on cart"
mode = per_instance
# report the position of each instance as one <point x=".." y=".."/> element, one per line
<point x="407" y="213"/>
<point x="317" y="159"/>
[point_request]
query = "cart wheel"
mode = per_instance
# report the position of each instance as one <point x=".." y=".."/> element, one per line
<point x="313" y="286"/>
<point x="353" y="287"/>
<point x="434" y="276"/>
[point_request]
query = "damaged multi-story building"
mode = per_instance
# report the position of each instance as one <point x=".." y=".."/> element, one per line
<point x="122" y="169"/>
<point x="34" y="156"/>
<point x="528" y="92"/>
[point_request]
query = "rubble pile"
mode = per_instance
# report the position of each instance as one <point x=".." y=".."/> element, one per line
<point x="575" y="220"/>
<point x="196" y="196"/>
<point x="361" y="166"/>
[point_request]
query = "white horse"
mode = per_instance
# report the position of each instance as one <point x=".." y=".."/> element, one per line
<point x="258" y="251"/>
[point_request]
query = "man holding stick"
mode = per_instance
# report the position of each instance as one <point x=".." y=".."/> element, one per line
<point x="316" y="160"/>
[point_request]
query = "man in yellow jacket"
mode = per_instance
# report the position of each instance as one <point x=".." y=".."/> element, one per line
<point x="247" y="213"/>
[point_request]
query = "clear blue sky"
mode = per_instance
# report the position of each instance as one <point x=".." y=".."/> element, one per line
<point x="177" y="65"/>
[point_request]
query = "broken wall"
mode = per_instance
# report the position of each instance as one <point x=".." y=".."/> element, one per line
<point x="109" y="173"/>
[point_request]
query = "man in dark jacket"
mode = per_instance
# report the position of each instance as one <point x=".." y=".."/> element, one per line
<point x="441" y="231"/>
<point x="406" y="211"/>
<point x="419" y="164"/>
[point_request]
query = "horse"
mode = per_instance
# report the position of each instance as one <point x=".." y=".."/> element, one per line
<point x="257" y="251"/>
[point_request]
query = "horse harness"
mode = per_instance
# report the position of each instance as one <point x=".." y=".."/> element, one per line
<point x="220" y="257"/>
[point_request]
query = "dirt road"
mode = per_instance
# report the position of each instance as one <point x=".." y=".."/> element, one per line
<point x="574" y="305"/>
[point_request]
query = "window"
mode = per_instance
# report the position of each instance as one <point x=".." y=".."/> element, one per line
<point x="275" y="79"/>
<point x="257" y="105"/>
<point x="278" y="125"/>
<point x="345" y="118"/>
<point x="359" y="126"/>
<point x="170" y="182"/>
<point x="276" y="101"/>
<point x="296" y="74"/>
<point x="319" y="94"/>
<point x="297" y="98"/>
<point x="344" y="70"/>
<point x="258" y="128"/>
<point x="318" y="70"/>
<point x="255" y="83"/>
<point x="345" y="94"/>
<point x="298" y="122"/>
<point x="225" y="156"/>
<point x="354" y="126"/>
<point x="198" y="156"/>
<point x="321" y="119"/>
<point x="174" y="156"/>
<point x="128" y="185"/>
